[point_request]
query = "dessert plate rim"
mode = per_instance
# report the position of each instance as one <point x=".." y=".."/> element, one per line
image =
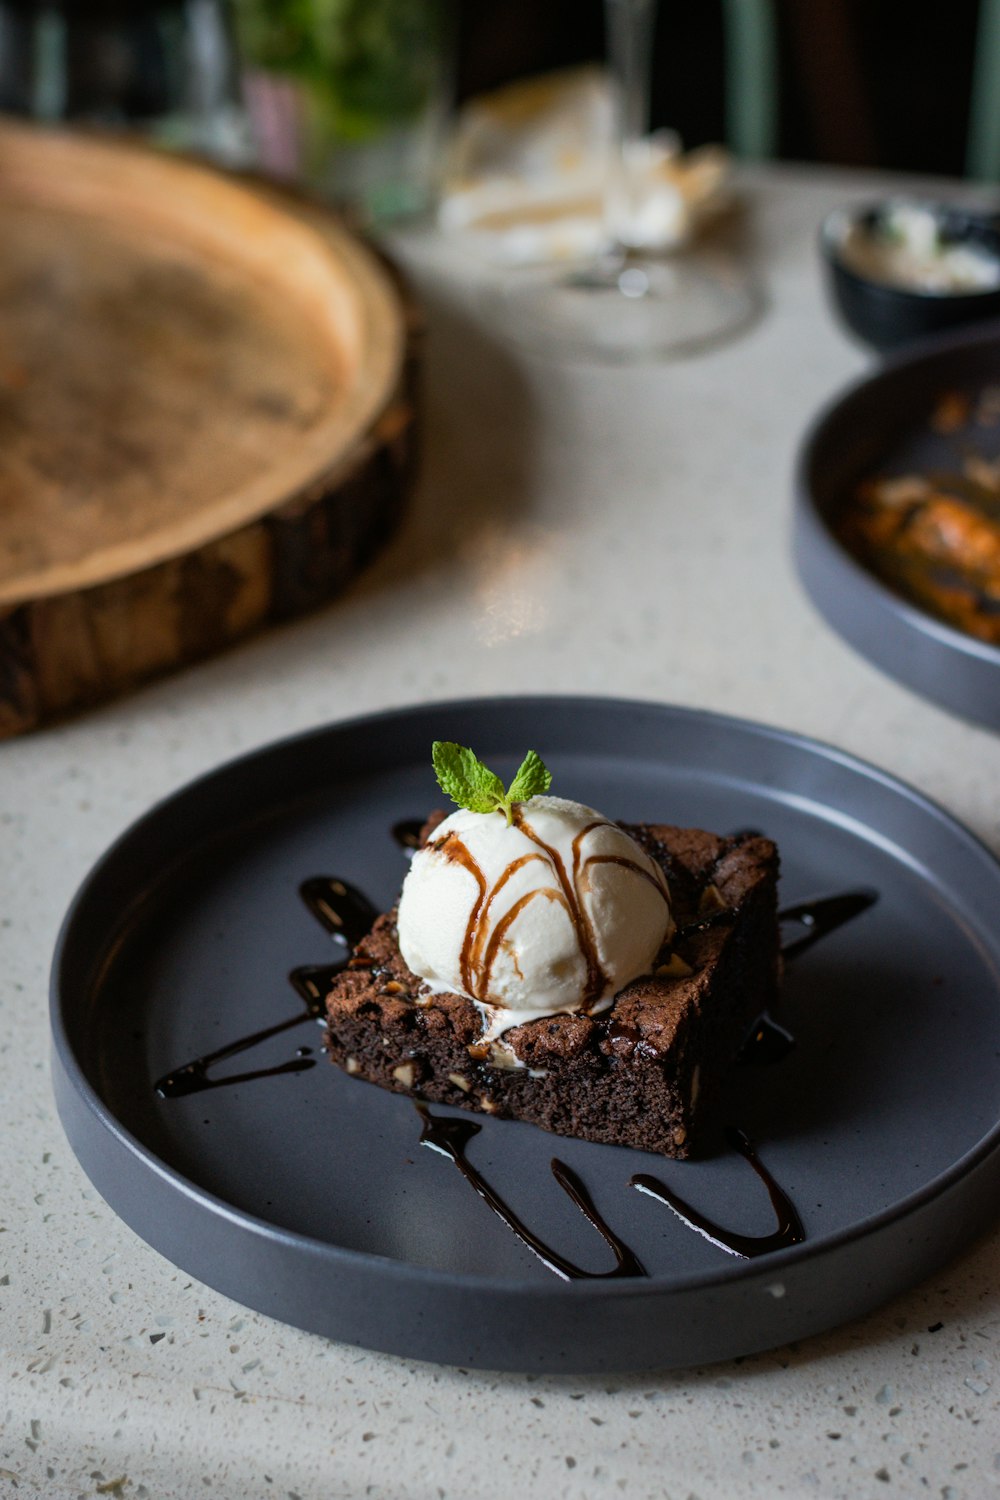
<point x="89" y="1120"/>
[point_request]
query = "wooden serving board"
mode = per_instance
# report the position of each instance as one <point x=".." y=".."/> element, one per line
<point x="206" y="414"/>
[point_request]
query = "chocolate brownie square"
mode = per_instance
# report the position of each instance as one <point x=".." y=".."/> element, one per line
<point x="645" y="1072"/>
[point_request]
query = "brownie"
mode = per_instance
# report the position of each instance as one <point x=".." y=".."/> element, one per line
<point x="644" y="1073"/>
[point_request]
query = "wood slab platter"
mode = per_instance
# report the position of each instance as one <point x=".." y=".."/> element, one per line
<point x="206" y="413"/>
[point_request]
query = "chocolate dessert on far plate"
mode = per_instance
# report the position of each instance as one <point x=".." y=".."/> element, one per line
<point x="548" y="965"/>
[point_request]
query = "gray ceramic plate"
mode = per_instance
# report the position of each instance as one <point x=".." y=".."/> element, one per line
<point x="307" y="1195"/>
<point x="881" y="425"/>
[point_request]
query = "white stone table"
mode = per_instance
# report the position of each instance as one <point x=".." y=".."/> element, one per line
<point x="603" y="531"/>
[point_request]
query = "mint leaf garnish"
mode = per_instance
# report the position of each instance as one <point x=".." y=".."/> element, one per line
<point x="463" y="777"/>
<point x="532" y="779"/>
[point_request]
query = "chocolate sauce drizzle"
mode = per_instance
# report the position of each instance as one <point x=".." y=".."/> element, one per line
<point x="769" y="1041"/>
<point x="821" y="917"/>
<point x="345" y="912"/>
<point x="788" y="1232"/>
<point x="347" y="915"/>
<point x="450" y="1137"/>
<point x="192" y="1077"/>
<point x="407" y="833"/>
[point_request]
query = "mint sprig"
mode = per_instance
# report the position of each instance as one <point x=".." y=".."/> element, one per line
<point x="463" y="777"/>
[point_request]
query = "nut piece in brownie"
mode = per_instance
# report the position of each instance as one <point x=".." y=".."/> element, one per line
<point x="643" y="1073"/>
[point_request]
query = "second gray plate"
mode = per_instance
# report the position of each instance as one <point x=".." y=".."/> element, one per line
<point x="306" y="1195"/>
<point x="882" y="425"/>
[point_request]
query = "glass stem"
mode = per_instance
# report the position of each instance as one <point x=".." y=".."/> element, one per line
<point x="629" y="25"/>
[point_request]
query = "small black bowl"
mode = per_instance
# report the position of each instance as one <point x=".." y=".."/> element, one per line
<point x="886" y="315"/>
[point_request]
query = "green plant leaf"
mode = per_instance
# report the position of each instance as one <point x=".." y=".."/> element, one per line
<point x="463" y="777"/>
<point x="532" y="780"/>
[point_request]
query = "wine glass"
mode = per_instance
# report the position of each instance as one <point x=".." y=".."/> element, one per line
<point x="628" y="305"/>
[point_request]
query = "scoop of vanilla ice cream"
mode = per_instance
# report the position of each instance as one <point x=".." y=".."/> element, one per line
<point x="555" y="912"/>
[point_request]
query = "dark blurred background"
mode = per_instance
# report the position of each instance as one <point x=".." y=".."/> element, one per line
<point x="858" y="82"/>
<point x="861" y="82"/>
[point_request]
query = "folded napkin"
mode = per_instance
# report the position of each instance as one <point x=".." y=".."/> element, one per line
<point x="532" y="175"/>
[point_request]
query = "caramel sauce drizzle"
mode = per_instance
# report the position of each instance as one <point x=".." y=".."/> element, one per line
<point x="507" y="920"/>
<point x="485" y="947"/>
<point x="629" y="864"/>
<point x="480" y="945"/>
<point x="452" y="848"/>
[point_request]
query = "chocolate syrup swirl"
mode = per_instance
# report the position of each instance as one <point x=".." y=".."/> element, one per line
<point x="451" y="1136"/>
<point x="789" y="1230"/>
<point x="312" y="982"/>
<point x="193" y="1077"/>
<point x="345" y="912"/>
<point x="407" y="833"/>
<point x="720" y="918"/>
<point x="821" y="917"/>
<point x="769" y="1041"/>
<point x="347" y="915"/>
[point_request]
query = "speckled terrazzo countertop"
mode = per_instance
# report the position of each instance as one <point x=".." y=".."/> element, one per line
<point x="550" y="495"/>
